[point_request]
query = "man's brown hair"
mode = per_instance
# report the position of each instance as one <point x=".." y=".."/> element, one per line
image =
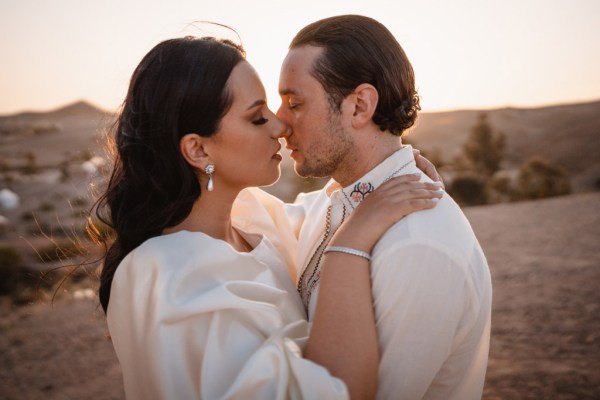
<point x="358" y="50"/>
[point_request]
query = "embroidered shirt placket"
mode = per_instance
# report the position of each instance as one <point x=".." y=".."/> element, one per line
<point x="309" y="280"/>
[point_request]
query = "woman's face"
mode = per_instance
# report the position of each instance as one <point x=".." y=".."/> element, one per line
<point x="245" y="148"/>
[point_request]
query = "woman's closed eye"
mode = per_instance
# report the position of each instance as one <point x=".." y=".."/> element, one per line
<point x="260" y="121"/>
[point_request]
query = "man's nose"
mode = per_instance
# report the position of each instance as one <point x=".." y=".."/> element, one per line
<point x="280" y="129"/>
<point x="280" y="112"/>
<point x="284" y="131"/>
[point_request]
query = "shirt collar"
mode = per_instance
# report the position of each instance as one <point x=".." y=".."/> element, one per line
<point x="353" y="194"/>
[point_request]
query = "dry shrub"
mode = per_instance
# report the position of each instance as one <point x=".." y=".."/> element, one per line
<point x="539" y="179"/>
<point x="468" y="190"/>
<point x="61" y="250"/>
<point x="10" y="263"/>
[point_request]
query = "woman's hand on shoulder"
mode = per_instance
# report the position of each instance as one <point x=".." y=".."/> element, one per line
<point x="427" y="167"/>
<point x="385" y="206"/>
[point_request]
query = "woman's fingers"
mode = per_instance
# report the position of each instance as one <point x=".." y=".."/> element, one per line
<point x="413" y="189"/>
<point x="389" y="203"/>
<point x="406" y="183"/>
<point x="402" y="195"/>
<point x="426" y="166"/>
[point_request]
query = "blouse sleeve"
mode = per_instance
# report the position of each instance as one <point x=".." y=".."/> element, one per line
<point x="223" y="329"/>
<point x="259" y="212"/>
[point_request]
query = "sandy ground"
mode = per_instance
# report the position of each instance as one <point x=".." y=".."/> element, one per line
<point x="545" y="343"/>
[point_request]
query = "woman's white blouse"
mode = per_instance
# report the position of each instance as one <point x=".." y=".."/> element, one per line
<point x="191" y="318"/>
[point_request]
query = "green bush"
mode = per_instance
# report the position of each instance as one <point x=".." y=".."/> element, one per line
<point x="46" y="207"/>
<point x="10" y="264"/>
<point x="27" y="216"/>
<point x="10" y="257"/>
<point x="539" y="179"/>
<point x="500" y="189"/>
<point x="24" y="285"/>
<point x="468" y="190"/>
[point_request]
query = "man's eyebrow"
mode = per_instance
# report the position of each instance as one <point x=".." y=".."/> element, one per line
<point x="257" y="103"/>
<point x="287" y="92"/>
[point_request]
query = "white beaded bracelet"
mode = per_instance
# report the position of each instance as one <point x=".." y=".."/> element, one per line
<point x="348" y="250"/>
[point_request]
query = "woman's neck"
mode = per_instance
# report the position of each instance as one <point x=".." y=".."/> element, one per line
<point x="211" y="214"/>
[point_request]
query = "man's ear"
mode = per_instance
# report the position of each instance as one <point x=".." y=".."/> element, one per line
<point x="193" y="149"/>
<point x="365" y="99"/>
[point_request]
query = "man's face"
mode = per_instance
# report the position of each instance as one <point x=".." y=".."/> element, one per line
<point x="317" y="135"/>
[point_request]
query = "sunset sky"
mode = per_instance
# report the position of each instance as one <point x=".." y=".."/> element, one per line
<point x="466" y="54"/>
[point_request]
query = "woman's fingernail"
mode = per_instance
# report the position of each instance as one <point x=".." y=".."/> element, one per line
<point x="438" y="184"/>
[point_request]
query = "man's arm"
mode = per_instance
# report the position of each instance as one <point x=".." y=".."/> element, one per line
<point x="423" y="308"/>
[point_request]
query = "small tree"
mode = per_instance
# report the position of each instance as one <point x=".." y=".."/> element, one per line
<point x="539" y="179"/>
<point x="484" y="150"/>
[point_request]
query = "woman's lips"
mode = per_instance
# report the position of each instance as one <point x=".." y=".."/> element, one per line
<point x="277" y="156"/>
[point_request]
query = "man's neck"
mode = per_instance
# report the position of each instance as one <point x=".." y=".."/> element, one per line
<point x="366" y="155"/>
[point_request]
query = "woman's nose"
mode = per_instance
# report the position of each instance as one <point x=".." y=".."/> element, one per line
<point x="280" y="128"/>
<point x="283" y="130"/>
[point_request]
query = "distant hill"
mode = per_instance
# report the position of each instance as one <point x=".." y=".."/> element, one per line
<point x="77" y="109"/>
<point x="53" y="136"/>
<point x="568" y="135"/>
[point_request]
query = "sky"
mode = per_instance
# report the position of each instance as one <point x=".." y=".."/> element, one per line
<point x="466" y="53"/>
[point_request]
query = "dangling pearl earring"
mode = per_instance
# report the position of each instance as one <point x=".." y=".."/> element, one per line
<point x="209" y="170"/>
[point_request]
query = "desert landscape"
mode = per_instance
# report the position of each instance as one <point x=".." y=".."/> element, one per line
<point x="543" y="254"/>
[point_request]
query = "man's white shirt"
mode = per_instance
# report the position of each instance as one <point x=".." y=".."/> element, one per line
<point x="431" y="288"/>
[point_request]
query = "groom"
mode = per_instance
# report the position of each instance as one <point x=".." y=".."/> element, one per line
<point x="348" y="93"/>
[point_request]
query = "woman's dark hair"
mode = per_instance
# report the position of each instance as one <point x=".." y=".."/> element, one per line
<point x="358" y="50"/>
<point x="179" y="87"/>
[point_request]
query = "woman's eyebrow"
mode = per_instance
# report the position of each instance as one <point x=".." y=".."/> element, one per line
<point x="257" y="103"/>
